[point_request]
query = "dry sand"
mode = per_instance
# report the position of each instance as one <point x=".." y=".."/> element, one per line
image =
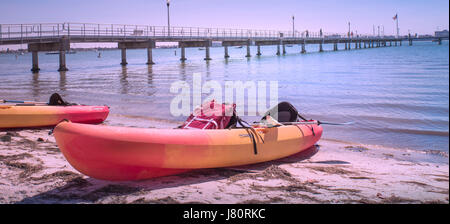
<point x="33" y="170"/>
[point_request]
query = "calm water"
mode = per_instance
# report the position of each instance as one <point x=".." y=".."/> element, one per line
<point x="398" y="96"/>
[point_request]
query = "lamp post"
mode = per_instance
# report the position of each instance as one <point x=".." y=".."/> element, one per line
<point x="293" y="26"/>
<point x="348" y="29"/>
<point x="168" y="18"/>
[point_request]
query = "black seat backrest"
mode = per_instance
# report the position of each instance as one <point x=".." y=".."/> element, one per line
<point x="283" y="112"/>
<point x="56" y="100"/>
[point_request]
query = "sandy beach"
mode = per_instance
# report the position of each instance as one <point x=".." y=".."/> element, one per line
<point x="33" y="170"/>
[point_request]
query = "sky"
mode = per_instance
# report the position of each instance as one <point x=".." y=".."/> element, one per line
<point x="418" y="16"/>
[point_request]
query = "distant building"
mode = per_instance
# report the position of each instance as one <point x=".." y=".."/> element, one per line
<point x="443" y="33"/>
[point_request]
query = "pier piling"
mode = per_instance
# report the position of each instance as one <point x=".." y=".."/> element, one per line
<point x="35" y="59"/>
<point x="248" y="51"/>
<point x="183" y="54"/>
<point x="303" y="47"/>
<point x="124" y="56"/>
<point x="150" y="56"/>
<point x="259" y="50"/>
<point x="207" y="56"/>
<point x="62" y="61"/>
<point x="226" y="52"/>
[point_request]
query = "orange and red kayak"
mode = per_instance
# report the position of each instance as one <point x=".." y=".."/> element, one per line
<point x="15" y="116"/>
<point x="123" y="153"/>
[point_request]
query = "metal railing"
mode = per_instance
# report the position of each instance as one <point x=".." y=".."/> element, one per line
<point x="91" y="30"/>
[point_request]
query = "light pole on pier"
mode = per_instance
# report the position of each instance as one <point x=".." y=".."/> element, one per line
<point x="293" y="26"/>
<point x="168" y="18"/>
<point x="348" y="29"/>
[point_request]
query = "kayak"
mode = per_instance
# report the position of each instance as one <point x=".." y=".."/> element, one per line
<point x="18" y="116"/>
<point x="124" y="153"/>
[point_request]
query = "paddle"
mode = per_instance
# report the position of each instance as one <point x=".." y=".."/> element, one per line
<point x="18" y="101"/>
<point x="318" y="123"/>
<point x="305" y="123"/>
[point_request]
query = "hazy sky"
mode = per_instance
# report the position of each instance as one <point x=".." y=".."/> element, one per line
<point x="419" y="16"/>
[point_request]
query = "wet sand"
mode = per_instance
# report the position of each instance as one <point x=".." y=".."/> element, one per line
<point x="33" y="170"/>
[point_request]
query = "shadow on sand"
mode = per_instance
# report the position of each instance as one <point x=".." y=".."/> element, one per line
<point x="88" y="190"/>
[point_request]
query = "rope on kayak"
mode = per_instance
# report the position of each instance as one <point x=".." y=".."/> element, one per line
<point x="304" y="119"/>
<point x="251" y="133"/>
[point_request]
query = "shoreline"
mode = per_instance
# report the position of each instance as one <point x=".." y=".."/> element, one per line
<point x="33" y="170"/>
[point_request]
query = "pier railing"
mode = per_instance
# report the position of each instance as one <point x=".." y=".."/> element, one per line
<point x="90" y="30"/>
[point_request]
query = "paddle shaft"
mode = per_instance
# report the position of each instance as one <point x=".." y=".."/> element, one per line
<point x="309" y="123"/>
<point x="18" y="101"/>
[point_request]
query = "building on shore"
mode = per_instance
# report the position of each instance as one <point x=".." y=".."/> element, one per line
<point x="443" y="33"/>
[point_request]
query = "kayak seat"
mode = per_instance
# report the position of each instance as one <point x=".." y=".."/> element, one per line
<point x="283" y="112"/>
<point x="57" y="100"/>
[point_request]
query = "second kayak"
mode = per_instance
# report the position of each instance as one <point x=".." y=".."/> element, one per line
<point x="16" y="116"/>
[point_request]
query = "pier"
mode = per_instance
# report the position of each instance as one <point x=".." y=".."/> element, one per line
<point x="58" y="36"/>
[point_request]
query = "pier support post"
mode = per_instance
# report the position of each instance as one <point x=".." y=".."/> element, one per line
<point x="248" y="51"/>
<point x="335" y="47"/>
<point x="346" y="48"/>
<point x="400" y="42"/>
<point x="284" y="49"/>
<point x="303" y="48"/>
<point x="207" y="57"/>
<point x="365" y="44"/>
<point x="150" y="56"/>
<point x="259" y="50"/>
<point x="124" y="57"/>
<point x="320" y="47"/>
<point x="35" y="60"/>
<point x="183" y="54"/>
<point x="359" y="43"/>
<point x="62" y="62"/>
<point x="356" y="44"/>
<point x="226" y="52"/>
